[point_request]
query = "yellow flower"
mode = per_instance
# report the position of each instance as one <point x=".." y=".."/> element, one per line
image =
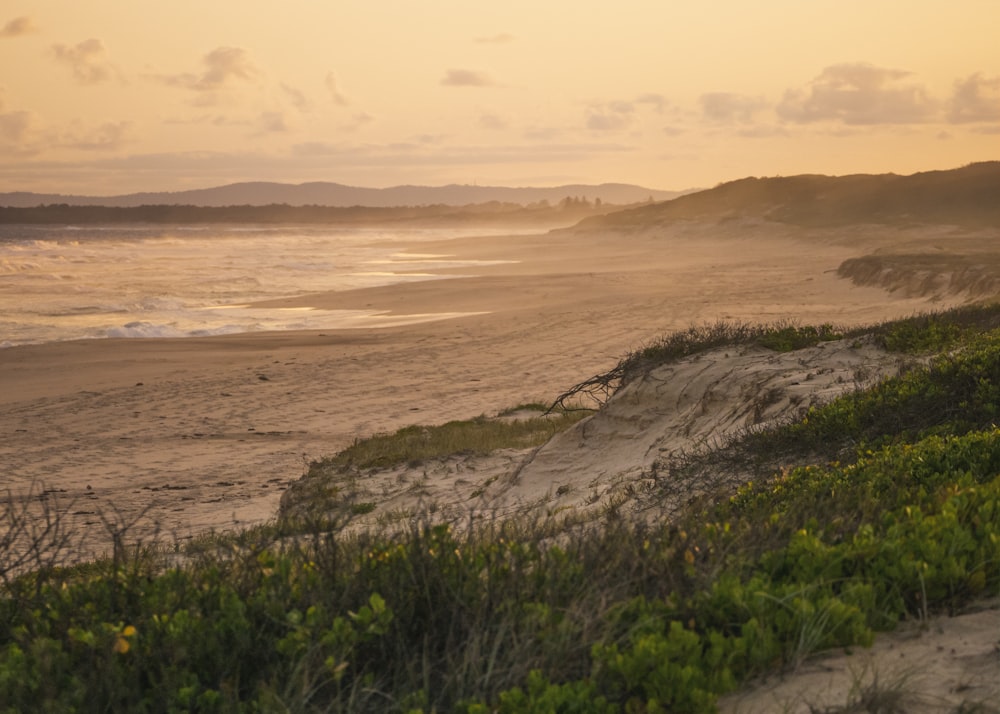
<point x="122" y="645"/>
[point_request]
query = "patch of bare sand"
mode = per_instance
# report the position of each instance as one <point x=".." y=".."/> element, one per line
<point x="941" y="665"/>
<point x="608" y="458"/>
<point x="185" y="436"/>
<point x="945" y="664"/>
<point x="188" y="435"/>
<point x="684" y="407"/>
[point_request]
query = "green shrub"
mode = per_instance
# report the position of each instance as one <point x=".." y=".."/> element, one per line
<point x="790" y="338"/>
<point x="513" y="615"/>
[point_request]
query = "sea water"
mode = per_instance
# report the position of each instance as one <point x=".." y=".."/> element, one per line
<point x="67" y="283"/>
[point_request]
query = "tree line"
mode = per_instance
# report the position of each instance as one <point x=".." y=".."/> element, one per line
<point x="283" y="213"/>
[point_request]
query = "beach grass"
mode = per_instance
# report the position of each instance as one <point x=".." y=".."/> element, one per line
<point x="538" y="614"/>
<point x="481" y="435"/>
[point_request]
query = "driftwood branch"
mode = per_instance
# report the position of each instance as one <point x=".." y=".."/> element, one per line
<point x="598" y="389"/>
<point x="33" y="536"/>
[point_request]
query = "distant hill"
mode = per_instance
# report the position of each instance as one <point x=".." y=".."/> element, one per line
<point x="968" y="196"/>
<point x="334" y="194"/>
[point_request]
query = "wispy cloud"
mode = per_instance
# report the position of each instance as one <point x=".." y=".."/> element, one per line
<point x="209" y="119"/>
<point x="272" y="123"/>
<point x="15" y="127"/>
<point x="467" y="78"/>
<point x="975" y="99"/>
<point x="109" y="136"/>
<point x="494" y="122"/>
<point x="543" y="133"/>
<point x="296" y="97"/>
<point x="859" y="94"/>
<point x="657" y="101"/>
<point x="421" y="153"/>
<point x="610" y="116"/>
<point x="334" y="89"/>
<point x="18" y="27"/>
<point x="623" y="114"/>
<point x="309" y="161"/>
<point x="357" y="120"/>
<point x="729" y="108"/>
<point x="88" y="60"/>
<point x="222" y="68"/>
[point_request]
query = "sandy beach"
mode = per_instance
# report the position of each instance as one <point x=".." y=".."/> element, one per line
<point x="188" y="435"/>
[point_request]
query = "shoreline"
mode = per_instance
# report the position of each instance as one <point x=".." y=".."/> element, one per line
<point x="193" y="434"/>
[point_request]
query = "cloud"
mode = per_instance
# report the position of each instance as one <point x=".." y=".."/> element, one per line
<point x="858" y="94"/>
<point x="975" y="99"/>
<point x="88" y="60"/>
<point x="466" y="78"/>
<point x="542" y="133"/>
<point x="657" y="101"/>
<point x="493" y="122"/>
<point x="296" y="97"/>
<point x="14" y="132"/>
<point x="18" y="27"/>
<point x="272" y="123"/>
<point x="610" y="116"/>
<point x="332" y="88"/>
<point x="18" y="134"/>
<point x="358" y="120"/>
<point x="424" y="154"/>
<point x="109" y="136"/>
<point x="213" y="119"/>
<point x="313" y="161"/>
<point x="619" y="114"/>
<point x="498" y="39"/>
<point x="223" y="67"/>
<point x="730" y="108"/>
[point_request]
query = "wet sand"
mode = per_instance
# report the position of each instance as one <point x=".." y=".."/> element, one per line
<point x="189" y="435"/>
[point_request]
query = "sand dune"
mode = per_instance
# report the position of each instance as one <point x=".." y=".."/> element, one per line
<point x="618" y="453"/>
<point x="963" y="197"/>
<point x="178" y="437"/>
<point x="611" y="459"/>
<point x="948" y="664"/>
<point x="197" y="434"/>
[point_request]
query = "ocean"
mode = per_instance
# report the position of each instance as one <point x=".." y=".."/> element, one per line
<point x="68" y="283"/>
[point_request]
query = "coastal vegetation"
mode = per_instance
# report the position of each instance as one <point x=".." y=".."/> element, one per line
<point x="957" y="197"/>
<point x="878" y="507"/>
<point x="413" y="444"/>
<point x="569" y="210"/>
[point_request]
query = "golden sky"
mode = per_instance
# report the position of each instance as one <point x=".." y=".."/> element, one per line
<point x="118" y="96"/>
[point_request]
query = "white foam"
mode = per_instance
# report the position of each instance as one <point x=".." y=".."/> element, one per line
<point x="125" y="281"/>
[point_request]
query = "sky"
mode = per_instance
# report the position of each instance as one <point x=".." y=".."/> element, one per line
<point x="117" y="96"/>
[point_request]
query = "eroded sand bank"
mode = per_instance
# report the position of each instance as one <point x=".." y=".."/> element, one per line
<point x="196" y="434"/>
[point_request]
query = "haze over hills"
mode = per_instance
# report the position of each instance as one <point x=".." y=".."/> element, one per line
<point x="261" y="193"/>
<point x="967" y="196"/>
